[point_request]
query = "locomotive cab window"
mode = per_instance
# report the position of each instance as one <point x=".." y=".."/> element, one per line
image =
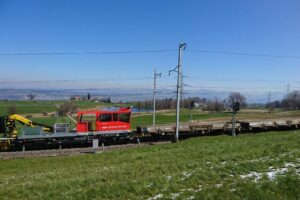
<point x="105" y="117"/>
<point x="87" y="118"/>
<point x="125" y="117"/>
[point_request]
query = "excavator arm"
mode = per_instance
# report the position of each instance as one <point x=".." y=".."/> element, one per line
<point x="11" y="124"/>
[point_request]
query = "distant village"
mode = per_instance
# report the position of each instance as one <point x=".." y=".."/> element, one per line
<point x="89" y="97"/>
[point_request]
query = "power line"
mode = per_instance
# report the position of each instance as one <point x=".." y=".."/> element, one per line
<point x="86" y="53"/>
<point x="221" y="79"/>
<point x="241" y="53"/>
<point x="233" y="87"/>
<point x="204" y="51"/>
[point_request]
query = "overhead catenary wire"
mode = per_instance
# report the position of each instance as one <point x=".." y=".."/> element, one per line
<point x="203" y="51"/>
<point x="223" y="79"/>
<point x="241" y="53"/>
<point x="85" y="53"/>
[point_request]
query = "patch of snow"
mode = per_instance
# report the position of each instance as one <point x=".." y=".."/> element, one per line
<point x="190" y="198"/>
<point x="193" y="190"/>
<point x="186" y="175"/>
<point x="289" y="165"/>
<point x="175" y="195"/>
<point x="149" y="185"/>
<point x="156" y="197"/>
<point x="199" y="188"/>
<point x="254" y="175"/>
<point x="272" y="174"/>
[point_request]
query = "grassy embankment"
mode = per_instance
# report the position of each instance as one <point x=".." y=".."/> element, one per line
<point x="252" y="166"/>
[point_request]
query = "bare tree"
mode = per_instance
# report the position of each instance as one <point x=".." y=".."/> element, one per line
<point x="237" y="97"/>
<point x="214" y="106"/>
<point x="291" y="101"/>
<point x="67" y="107"/>
<point x="31" y="96"/>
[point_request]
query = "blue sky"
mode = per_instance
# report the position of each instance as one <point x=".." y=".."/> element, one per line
<point x="253" y="26"/>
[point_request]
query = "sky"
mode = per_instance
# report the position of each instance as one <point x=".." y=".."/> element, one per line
<point x="269" y="27"/>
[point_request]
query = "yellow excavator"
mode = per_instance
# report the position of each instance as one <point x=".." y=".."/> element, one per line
<point x="8" y="125"/>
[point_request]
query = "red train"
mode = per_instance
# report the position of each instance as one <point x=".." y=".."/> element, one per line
<point x="103" y="121"/>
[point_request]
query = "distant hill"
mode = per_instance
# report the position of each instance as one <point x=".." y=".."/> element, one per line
<point x="127" y="94"/>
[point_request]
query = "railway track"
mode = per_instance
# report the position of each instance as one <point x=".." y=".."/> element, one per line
<point x="160" y="133"/>
<point x="73" y="151"/>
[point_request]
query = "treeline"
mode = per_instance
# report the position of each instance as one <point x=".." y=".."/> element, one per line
<point x="215" y="105"/>
<point x="290" y="101"/>
<point x="168" y="103"/>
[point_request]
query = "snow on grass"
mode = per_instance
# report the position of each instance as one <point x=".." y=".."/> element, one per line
<point x="186" y="175"/>
<point x="192" y="189"/>
<point x="290" y="165"/>
<point x="156" y="197"/>
<point x="149" y="185"/>
<point x="175" y="195"/>
<point x="254" y="175"/>
<point x="190" y="198"/>
<point x="272" y="173"/>
<point x="223" y="163"/>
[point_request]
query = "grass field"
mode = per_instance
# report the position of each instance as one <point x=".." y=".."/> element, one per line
<point x="170" y="117"/>
<point x="253" y="166"/>
<point x="29" y="107"/>
<point x="34" y="107"/>
<point x="142" y="119"/>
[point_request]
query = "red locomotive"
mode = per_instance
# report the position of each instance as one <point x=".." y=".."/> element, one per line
<point x="104" y="121"/>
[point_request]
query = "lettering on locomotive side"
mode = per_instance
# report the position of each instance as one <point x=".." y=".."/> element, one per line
<point x="113" y="127"/>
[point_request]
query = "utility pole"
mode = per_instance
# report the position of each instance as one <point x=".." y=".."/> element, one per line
<point x="181" y="85"/>
<point x="233" y="124"/>
<point x="235" y="108"/>
<point x="269" y="102"/>
<point x="178" y="69"/>
<point x="192" y="105"/>
<point x="156" y="75"/>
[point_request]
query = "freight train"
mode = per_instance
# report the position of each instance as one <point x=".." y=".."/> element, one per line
<point x="105" y="126"/>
